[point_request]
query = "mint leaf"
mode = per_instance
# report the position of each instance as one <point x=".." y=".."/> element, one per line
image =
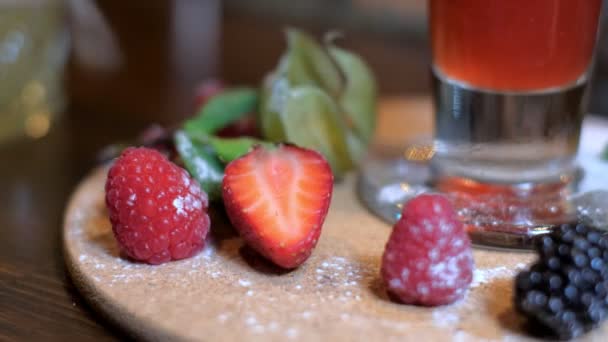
<point x="202" y="164"/>
<point x="229" y="149"/>
<point x="222" y="110"/>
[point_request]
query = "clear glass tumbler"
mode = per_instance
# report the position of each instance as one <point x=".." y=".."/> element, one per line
<point x="509" y="79"/>
<point x="509" y="82"/>
<point x="509" y="91"/>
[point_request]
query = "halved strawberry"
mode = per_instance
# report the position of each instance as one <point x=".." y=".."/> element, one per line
<point x="277" y="198"/>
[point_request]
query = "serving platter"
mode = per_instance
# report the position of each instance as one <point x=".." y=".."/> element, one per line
<point x="228" y="293"/>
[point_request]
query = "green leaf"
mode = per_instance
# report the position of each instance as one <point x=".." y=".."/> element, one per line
<point x="310" y="119"/>
<point x="222" y="110"/>
<point x="201" y="164"/>
<point x="358" y="100"/>
<point x="347" y="97"/>
<point x="307" y="63"/>
<point x="274" y="93"/>
<point x="356" y="146"/>
<point x="605" y="153"/>
<point x="229" y="149"/>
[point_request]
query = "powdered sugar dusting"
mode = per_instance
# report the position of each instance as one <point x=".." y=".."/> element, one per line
<point x="452" y="317"/>
<point x="337" y="292"/>
<point x="340" y="272"/>
<point x="485" y="276"/>
<point x="184" y="204"/>
<point x="185" y="179"/>
<point x="131" y="199"/>
<point x="445" y="318"/>
<point x="244" y="282"/>
<point x="178" y="204"/>
<point x="291" y="333"/>
<point x="223" y="317"/>
<point x="447" y="271"/>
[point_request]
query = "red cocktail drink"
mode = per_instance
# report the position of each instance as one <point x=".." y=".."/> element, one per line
<point x="514" y="45"/>
<point x="509" y="81"/>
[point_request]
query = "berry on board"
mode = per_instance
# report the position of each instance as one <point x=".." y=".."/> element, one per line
<point x="564" y="293"/>
<point x="277" y="198"/>
<point x="158" y="213"/>
<point x="428" y="259"/>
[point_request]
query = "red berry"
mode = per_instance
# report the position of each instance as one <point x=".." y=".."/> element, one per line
<point x="428" y="259"/>
<point x="245" y="126"/>
<point x="277" y="199"/>
<point x="206" y="90"/>
<point x="158" y="213"/>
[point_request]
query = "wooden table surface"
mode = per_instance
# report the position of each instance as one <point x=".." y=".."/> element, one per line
<point x="37" y="299"/>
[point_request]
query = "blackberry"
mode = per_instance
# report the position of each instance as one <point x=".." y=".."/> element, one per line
<point x="565" y="293"/>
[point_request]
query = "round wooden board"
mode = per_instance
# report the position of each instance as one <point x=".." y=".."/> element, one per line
<point x="227" y="293"/>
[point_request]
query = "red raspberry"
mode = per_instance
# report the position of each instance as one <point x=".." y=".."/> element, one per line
<point x="158" y="212"/>
<point x="206" y="90"/>
<point x="428" y="259"/>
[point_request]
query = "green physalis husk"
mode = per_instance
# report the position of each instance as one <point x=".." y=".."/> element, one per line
<point x="320" y="97"/>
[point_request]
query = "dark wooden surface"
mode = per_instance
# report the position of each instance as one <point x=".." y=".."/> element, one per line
<point x="37" y="299"/>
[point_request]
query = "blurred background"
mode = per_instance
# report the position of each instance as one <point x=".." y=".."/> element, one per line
<point x="76" y="75"/>
<point x="140" y="61"/>
<point x="165" y="47"/>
